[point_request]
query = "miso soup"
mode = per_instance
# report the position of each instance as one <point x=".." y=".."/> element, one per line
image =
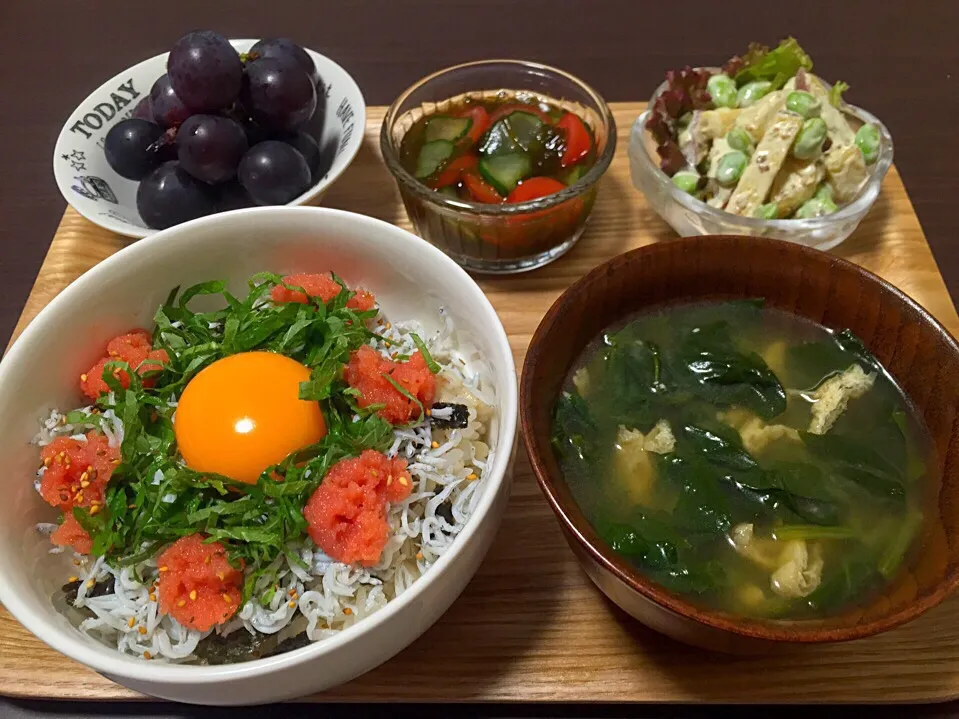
<point x="745" y="458"/>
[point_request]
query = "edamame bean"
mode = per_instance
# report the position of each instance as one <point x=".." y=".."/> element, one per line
<point x="867" y="140"/>
<point x="816" y="207"/>
<point x="752" y="91"/>
<point x="687" y="181"/>
<point x="809" y="141"/>
<point x="739" y="139"/>
<point x="723" y="90"/>
<point x="803" y="103"/>
<point x="730" y="168"/>
<point x="823" y="192"/>
<point x="769" y="211"/>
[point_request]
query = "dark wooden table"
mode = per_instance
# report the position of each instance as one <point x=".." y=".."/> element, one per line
<point x="901" y="59"/>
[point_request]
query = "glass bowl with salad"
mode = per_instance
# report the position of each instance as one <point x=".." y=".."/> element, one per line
<point x="760" y="146"/>
<point x="498" y="161"/>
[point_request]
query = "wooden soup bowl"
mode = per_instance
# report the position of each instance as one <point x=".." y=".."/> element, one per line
<point x="921" y="355"/>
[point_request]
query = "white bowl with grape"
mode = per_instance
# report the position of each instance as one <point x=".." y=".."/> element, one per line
<point x="212" y="126"/>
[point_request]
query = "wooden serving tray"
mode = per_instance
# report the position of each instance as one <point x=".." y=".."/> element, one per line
<point x="531" y="626"/>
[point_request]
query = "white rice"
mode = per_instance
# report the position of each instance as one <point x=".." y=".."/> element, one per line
<point x="329" y="596"/>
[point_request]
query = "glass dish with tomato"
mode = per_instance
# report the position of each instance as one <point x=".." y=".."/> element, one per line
<point x="502" y="180"/>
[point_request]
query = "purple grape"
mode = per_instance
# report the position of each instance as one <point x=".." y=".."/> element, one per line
<point x="285" y="50"/>
<point x="232" y="196"/>
<point x="210" y="147"/>
<point x="205" y="71"/>
<point x="278" y="96"/>
<point x="129" y="148"/>
<point x="256" y="134"/>
<point x="170" y="195"/>
<point x="167" y="109"/>
<point x="274" y="173"/>
<point x="314" y="126"/>
<point x="142" y="110"/>
<point x="307" y="147"/>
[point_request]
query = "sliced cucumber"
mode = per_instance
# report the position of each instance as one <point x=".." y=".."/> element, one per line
<point x="575" y="174"/>
<point x="497" y="140"/>
<point x="504" y="172"/>
<point x="443" y="127"/>
<point x="433" y="155"/>
<point x="517" y="132"/>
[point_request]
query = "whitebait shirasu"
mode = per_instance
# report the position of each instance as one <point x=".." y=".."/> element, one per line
<point x="448" y="468"/>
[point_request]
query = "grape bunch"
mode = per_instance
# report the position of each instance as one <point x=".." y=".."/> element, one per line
<point x="220" y="131"/>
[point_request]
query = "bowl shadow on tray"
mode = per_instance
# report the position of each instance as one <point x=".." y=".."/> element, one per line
<point x="495" y="626"/>
<point x="809" y="674"/>
<point x="367" y="188"/>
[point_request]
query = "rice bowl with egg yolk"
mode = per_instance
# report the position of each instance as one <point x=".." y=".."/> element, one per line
<point x="291" y="592"/>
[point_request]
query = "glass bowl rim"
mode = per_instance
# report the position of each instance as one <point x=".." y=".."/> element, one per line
<point x="858" y="207"/>
<point x="429" y="195"/>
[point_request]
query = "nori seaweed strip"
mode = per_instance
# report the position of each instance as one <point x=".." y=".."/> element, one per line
<point x="288" y="645"/>
<point x="98" y="590"/>
<point x="458" y="419"/>
<point x="445" y="510"/>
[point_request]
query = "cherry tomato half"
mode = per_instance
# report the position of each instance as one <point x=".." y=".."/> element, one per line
<point x="450" y="174"/>
<point x="578" y="141"/>
<point x="534" y="188"/>
<point x="480" y="190"/>
<point x="480" y="124"/>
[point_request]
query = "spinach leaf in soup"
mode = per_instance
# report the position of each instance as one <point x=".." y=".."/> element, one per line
<point x="710" y="364"/>
<point x="652" y="543"/>
<point x="781" y="503"/>
<point x="702" y="505"/>
<point x="809" y="363"/>
<point x="858" y="462"/>
<point x="631" y="380"/>
<point x="649" y="541"/>
<point x="855" y="577"/>
<point x="766" y="494"/>
<point x="890" y="436"/>
<point x="721" y="446"/>
<point x="573" y="428"/>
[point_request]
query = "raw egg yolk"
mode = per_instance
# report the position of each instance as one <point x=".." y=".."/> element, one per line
<point x="243" y="413"/>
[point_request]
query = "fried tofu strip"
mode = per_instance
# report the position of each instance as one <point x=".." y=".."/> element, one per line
<point x="757" y="178"/>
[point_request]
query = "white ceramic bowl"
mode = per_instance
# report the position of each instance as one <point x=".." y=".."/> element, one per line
<point x="411" y="279"/>
<point x="90" y="185"/>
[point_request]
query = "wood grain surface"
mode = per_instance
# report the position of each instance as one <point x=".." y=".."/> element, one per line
<point x="530" y="627"/>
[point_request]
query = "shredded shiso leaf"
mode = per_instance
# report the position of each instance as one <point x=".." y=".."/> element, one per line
<point x="432" y="364"/>
<point x="153" y="498"/>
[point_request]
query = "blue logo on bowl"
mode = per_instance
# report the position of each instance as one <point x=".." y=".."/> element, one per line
<point x="94" y="188"/>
